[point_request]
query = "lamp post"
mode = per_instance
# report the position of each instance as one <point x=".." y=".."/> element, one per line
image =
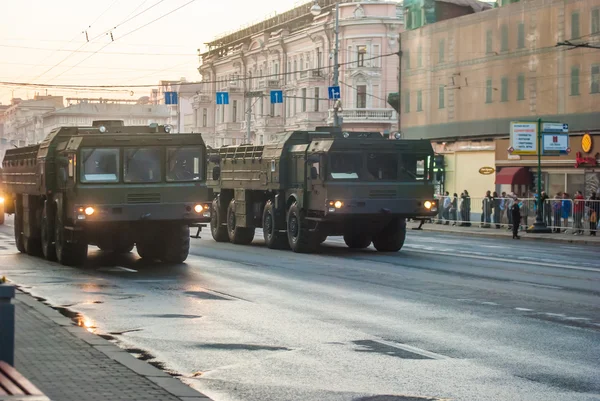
<point x="316" y="10"/>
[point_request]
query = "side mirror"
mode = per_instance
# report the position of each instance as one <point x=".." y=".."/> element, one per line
<point x="216" y="173"/>
<point x="314" y="174"/>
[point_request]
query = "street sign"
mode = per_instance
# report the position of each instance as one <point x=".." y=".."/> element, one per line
<point x="222" y="97"/>
<point x="276" y="96"/>
<point x="555" y="144"/>
<point x="334" y="92"/>
<point x="555" y="128"/>
<point x="171" y="98"/>
<point x="523" y="137"/>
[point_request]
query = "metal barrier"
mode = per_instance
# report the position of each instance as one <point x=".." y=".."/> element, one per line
<point x="571" y="216"/>
<point x="7" y="324"/>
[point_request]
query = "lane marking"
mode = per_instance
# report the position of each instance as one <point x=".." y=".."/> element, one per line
<point x="116" y="269"/>
<point x="524" y="309"/>
<point x="538" y="285"/>
<point x="490" y="303"/>
<point x="412" y="349"/>
<point x="491" y="258"/>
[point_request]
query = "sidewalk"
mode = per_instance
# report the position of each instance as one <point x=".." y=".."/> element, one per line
<point x="476" y="231"/>
<point x="66" y="362"/>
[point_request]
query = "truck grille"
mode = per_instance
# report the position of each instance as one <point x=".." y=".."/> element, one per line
<point x="383" y="194"/>
<point x="143" y="198"/>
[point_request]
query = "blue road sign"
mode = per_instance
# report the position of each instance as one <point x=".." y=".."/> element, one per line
<point x="276" y="96"/>
<point x="171" y="98"/>
<point x="222" y="97"/>
<point x="334" y="92"/>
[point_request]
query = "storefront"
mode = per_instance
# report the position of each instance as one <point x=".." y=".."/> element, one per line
<point x="577" y="171"/>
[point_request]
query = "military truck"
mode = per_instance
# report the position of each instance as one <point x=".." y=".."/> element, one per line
<point x="314" y="184"/>
<point x="108" y="185"/>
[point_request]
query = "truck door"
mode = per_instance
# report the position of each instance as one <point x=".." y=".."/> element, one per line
<point x="315" y="174"/>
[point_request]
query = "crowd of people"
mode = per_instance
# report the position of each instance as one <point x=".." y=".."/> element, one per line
<point x="561" y="213"/>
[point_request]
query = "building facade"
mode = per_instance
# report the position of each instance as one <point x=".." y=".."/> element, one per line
<point x="465" y="79"/>
<point x="293" y="52"/>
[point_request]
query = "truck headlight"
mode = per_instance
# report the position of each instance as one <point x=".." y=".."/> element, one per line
<point x="428" y="204"/>
<point x="1" y="200"/>
<point x="89" y="211"/>
<point x="198" y="209"/>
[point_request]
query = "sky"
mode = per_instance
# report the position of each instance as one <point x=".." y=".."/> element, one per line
<point x="44" y="41"/>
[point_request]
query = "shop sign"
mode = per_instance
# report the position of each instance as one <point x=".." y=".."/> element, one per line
<point x="586" y="143"/>
<point x="523" y="138"/>
<point x="555" y="144"/>
<point x="486" y="170"/>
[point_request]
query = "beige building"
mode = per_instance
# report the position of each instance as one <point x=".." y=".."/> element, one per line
<point x="466" y="78"/>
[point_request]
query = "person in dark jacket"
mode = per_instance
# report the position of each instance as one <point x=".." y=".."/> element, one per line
<point x="594" y="207"/>
<point x="515" y="213"/>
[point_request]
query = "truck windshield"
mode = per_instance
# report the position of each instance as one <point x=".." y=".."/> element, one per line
<point x="100" y="165"/>
<point x="382" y="166"/>
<point x="414" y="167"/>
<point x="142" y="165"/>
<point x="184" y="164"/>
<point x="345" y="166"/>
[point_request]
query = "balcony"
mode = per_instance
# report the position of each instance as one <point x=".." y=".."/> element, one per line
<point x="268" y="84"/>
<point x="265" y="123"/>
<point x="365" y="116"/>
<point x="233" y="87"/>
<point x="308" y="119"/>
<point x="202" y="99"/>
<point x="311" y="76"/>
<point x="229" y="127"/>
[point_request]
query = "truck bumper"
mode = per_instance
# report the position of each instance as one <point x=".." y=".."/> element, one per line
<point x="182" y="212"/>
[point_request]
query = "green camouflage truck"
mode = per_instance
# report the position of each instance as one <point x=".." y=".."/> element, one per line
<point x="108" y="185"/>
<point x="314" y="184"/>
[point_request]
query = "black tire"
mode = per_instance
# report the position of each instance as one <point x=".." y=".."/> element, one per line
<point x="217" y="227"/>
<point x="18" y="225"/>
<point x="274" y="238"/>
<point x="321" y="238"/>
<point x="47" y="232"/>
<point x="33" y="246"/>
<point x="177" y="245"/>
<point x="237" y="235"/>
<point x="299" y="238"/>
<point x="148" y="250"/>
<point x="391" y="238"/>
<point x="68" y="253"/>
<point x="357" y="240"/>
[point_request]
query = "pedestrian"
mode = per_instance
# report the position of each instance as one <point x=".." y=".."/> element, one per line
<point x="486" y="210"/>
<point x="578" y="210"/>
<point x="546" y="209"/>
<point x="566" y="210"/>
<point x="454" y="209"/>
<point x="465" y="209"/>
<point x="503" y="211"/>
<point x="509" y="202"/>
<point x="594" y="208"/>
<point x="447" y="202"/>
<point x="497" y="211"/>
<point x="557" y="211"/>
<point x="515" y="212"/>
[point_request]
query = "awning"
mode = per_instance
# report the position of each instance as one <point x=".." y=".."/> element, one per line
<point x="513" y="176"/>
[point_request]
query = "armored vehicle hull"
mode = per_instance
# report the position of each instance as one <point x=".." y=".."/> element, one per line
<point x="112" y="186"/>
<point x="311" y="185"/>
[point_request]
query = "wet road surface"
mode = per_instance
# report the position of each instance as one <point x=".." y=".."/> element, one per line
<point x="448" y="317"/>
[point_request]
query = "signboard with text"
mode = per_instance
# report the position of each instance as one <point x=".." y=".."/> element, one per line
<point x="523" y="138"/>
<point x="555" y="144"/>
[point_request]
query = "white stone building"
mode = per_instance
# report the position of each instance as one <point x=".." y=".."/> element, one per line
<point x="293" y="52"/>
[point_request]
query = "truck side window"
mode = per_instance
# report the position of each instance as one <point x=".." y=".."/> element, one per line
<point x="100" y="165"/>
<point x="315" y="168"/>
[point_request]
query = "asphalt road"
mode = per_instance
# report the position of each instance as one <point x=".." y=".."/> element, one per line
<point x="449" y="317"/>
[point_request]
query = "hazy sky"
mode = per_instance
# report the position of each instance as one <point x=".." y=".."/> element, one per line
<point x="37" y="39"/>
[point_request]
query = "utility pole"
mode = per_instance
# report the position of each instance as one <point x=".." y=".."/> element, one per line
<point x="336" y="65"/>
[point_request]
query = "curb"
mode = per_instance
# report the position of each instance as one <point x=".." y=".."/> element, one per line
<point x="168" y="383"/>
<point x="523" y="235"/>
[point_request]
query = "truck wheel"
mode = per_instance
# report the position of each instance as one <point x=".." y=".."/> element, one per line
<point x="392" y="237"/>
<point x="357" y="240"/>
<point x="47" y="232"/>
<point x="148" y="250"/>
<point x="177" y="245"/>
<point x="299" y="238"/>
<point x="237" y="235"/>
<point x="124" y="247"/>
<point x="321" y="238"/>
<point x="18" y="225"/>
<point x="217" y="228"/>
<point x="68" y="253"/>
<point x="274" y="238"/>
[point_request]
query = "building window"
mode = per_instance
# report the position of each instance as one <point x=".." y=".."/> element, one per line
<point x="407" y="102"/>
<point x="574" y="81"/>
<point x="272" y="110"/>
<point x="521" y="87"/>
<point x="234" y="111"/>
<point x="504" y="90"/>
<point x="362" y="50"/>
<point x="361" y="96"/>
<point x="488" y="90"/>
<point x="504" y="38"/>
<point x="204" y="117"/>
<point x="375" y="53"/>
<point x="406" y="55"/>
<point x="488" y="41"/>
<point x="301" y="66"/>
<point x="295" y="69"/>
<point x="318" y="57"/>
<point x="441" y="102"/>
<point x="521" y="36"/>
<point x="595" y="85"/>
<point x="420" y="100"/>
<point x="316" y="99"/>
<point x="303" y="100"/>
<point x="595" y="20"/>
<point x="288" y="103"/>
<point x="441" y="51"/>
<point x="222" y="113"/>
<point x="420" y="57"/>
<point x="575" y="25"/>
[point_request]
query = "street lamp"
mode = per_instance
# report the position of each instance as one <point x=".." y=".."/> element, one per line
<point x="316" y="10"/>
